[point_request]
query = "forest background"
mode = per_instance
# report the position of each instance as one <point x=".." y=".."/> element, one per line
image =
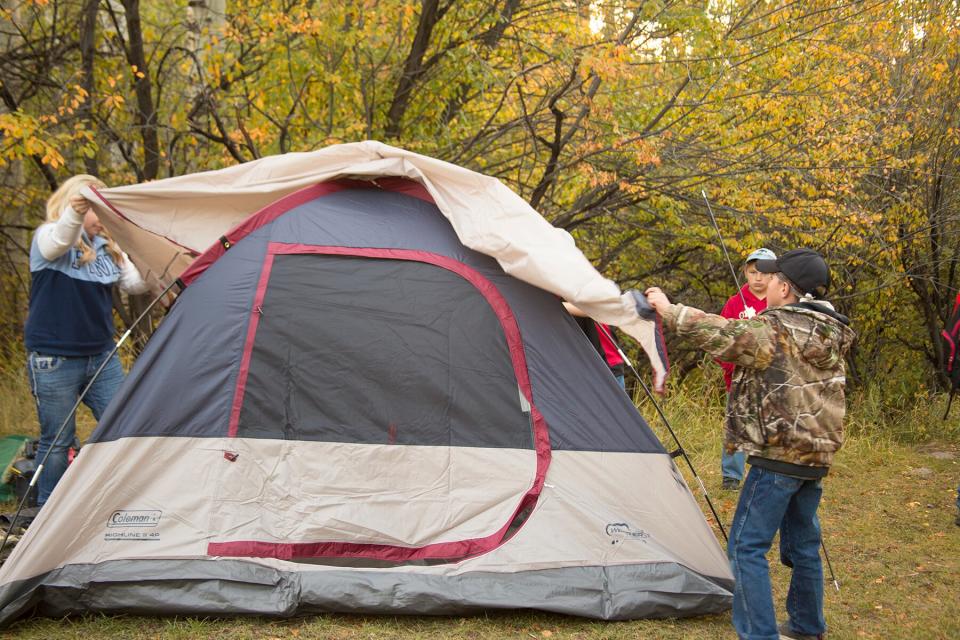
<point x="827" y="124"/>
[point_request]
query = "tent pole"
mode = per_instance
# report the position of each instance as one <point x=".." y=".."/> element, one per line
<point x="833" y="576"/>
<point x="39" y="470"/>
<point x="666" y="422"/>
<point x="733" y="272"/>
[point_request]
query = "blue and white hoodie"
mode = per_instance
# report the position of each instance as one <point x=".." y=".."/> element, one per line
<point x="71" y="305"/>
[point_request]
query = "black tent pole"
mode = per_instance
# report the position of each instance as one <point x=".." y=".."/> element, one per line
<point x="723" y="247"/>
<point x="76" y="405"/>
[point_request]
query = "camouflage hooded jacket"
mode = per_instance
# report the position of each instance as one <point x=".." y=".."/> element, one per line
<point x="787" y="399"/>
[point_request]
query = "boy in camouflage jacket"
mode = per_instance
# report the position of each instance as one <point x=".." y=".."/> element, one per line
<point x="785" y="410"/>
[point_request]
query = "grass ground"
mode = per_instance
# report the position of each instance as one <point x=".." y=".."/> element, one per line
<point x="888" y="519"/>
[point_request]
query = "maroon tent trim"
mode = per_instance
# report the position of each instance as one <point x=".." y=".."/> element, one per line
<point x="273" y="211"/>
<point x="446" y="550"/>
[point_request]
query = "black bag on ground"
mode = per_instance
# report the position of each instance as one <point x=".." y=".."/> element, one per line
<point x="22" y="474"/>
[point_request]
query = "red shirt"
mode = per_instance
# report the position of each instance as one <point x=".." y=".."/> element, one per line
<point x="734" y="309"/>
<point x="610" y="352"/>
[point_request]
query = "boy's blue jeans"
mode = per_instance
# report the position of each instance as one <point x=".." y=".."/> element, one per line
<point x="56" y="383"/>
<point x="770" y="501"/>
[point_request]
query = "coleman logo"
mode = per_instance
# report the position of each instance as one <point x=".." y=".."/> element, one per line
<point x="123" y="518"/>
<point x="622" y="530"/>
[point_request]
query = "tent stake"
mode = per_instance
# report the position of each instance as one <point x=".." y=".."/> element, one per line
<point x="833" y="577"/>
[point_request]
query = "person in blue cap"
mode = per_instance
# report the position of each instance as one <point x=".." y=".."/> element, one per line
<point x="745" y="304"/>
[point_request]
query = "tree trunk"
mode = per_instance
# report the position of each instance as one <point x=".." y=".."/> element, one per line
<point x="88" y="34"/>
<point x="413" y="68"/>
<point x="146" y="111"/>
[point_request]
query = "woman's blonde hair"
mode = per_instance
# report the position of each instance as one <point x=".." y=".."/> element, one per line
<point x="57" y="202"/>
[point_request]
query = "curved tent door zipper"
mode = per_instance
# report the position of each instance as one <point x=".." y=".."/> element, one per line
<point x="431" y="552"/>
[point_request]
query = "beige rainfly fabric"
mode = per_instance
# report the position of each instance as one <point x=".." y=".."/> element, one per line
<point x="178" y="218"/>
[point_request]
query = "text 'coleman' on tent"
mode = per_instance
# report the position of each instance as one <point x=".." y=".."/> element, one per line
<point x="369" y="398"/>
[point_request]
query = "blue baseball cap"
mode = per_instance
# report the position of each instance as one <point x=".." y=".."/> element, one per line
<point x="761" y="254"/>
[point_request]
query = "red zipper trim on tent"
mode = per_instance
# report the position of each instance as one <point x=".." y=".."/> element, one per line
<point x="248" y="346"/>
<point x="274" y="210"/>
<point x="445" y="550"/>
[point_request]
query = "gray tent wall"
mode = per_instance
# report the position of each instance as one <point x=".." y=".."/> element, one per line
<point x="220" y="479"/>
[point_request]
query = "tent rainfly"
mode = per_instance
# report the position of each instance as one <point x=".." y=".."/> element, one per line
<point x="366" y="398"/>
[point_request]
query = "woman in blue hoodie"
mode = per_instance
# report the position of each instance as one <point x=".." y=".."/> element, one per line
<point x="74" y="265"/>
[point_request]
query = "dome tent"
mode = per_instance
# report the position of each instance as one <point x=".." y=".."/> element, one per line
<point x="366" y="398"/>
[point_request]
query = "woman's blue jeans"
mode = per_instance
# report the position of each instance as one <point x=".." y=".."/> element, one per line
<point x="56" y="383"/>
<point x="770" y="501"/>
